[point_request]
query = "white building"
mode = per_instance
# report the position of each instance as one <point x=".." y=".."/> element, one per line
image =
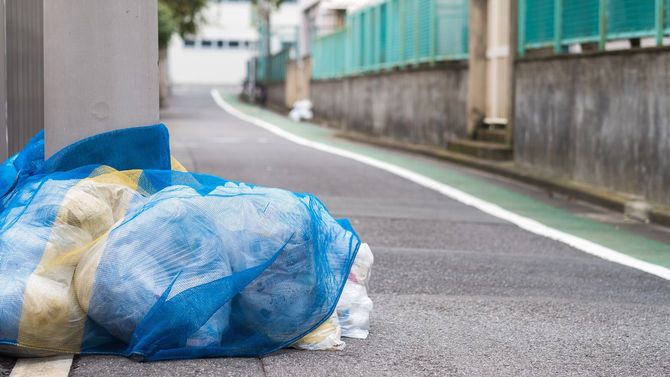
<point x="218" y="54"/>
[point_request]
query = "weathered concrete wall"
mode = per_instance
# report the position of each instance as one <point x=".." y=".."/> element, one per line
<point x="601" y="119"/>
<point x="277" y="94"/>
<point x="421" y="106"/>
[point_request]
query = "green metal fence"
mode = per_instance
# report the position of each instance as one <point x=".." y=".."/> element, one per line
<point x="393" y="33"/>
<point x="278" y="64"/>
<point x="276" y="67"/>
<point x="559" y="23"/>
<point x="330" y="51"/>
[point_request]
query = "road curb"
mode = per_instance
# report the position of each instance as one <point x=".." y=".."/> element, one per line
<point x="591" y="194"/>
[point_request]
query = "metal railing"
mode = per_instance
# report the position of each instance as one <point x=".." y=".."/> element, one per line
<point x="271" y="70"/>
<point x="559" y="23"/>
<point x="393" y="33"/>
<point x="278" y="64"/>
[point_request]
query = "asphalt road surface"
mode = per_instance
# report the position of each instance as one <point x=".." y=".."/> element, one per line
<point x="456" y="291"/>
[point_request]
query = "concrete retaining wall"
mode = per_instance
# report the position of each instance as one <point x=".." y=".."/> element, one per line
<point x="601" y="119"/>
<point x="277" y="94"/>
<point x="421" y="106"/>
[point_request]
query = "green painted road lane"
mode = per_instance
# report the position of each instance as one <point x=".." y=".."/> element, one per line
<point x="631" y="244"/>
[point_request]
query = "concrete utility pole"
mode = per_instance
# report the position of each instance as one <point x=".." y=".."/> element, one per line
<point x="500" y="48"/>
<point x="476" y="100"/>
<point x="491" y="62"/>
<point x="24" y="74"/>
<point x="80" y="67"/>
<point x="101" y="67"/>
<point x="3" y="86"/>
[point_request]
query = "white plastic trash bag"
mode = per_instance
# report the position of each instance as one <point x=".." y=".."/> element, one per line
<point x="326" y="337"/>
<point x="352" y="316"/>
<point x="354" y="306"/>
<point x="301" y="110"/>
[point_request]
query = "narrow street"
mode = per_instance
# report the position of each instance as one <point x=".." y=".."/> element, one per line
<point x="456" y="291"/>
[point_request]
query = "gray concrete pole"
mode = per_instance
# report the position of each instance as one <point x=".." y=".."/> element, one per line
<point x="476" y="97"/>
<point x="510" y="68"/>
<point x="100" y="67"/>
<point x="24" y="68"/>
<point x="500" y="62"/>
<point x="3" y="86"/>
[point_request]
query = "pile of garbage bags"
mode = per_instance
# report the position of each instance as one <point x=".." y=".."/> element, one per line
<point x="302" y="109"/>
<point x="111" y="247"/>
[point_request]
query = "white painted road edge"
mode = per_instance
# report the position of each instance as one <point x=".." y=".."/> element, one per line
<point x="58" y="366"/>
<point x="458" y="195"/>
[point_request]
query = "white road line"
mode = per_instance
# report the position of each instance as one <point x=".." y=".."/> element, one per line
<point x="458" y="195"/>
<point x="58" y="366"/>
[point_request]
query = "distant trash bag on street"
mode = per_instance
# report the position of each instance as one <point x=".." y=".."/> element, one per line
<point x="301" y="110"/>
<point x="110" y="247"/>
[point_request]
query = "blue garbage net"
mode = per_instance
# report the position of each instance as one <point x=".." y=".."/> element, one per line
<point x="106" y="248"/>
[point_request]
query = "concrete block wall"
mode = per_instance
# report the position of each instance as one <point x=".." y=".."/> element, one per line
<point x="419" y="106"/>
<point x="601" y="119"/>
<point x="276" y="93"/>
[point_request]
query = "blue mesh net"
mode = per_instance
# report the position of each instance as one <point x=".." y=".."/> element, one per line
<point x="105" y="249"/>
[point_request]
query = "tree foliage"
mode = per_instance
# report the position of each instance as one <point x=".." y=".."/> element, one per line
<point x="274" y="3"/>
<point x="184" y="17"/>
<point x="178" y="16"/>
<point x="167" y="25"/>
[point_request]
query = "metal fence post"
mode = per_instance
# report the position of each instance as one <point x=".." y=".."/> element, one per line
<point x="602" y="29"/>
<point x="558" y="26"/>
<point x="374" y="24"/>
<point x="433" y="32"/>
<point x="359" y="45"/>
<point x="349" y="53"/>
<point x="417" y="32"/>
<point x="389" y="32"/>
<point x="401" y="15"/>
<point x="660" y="22"/>
<point x="377" y="37"/>
<point x="521" y="14"/>
<point x="371" y="39"/>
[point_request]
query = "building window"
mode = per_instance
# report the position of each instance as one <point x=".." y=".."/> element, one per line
<point x="219" y="43"/>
